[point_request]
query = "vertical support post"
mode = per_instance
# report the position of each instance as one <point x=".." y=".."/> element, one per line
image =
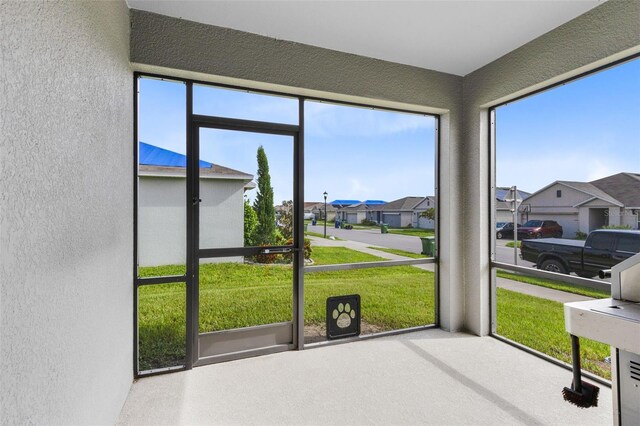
<point x="136" y="92"/>
<point x="192" y="238"/>
<point x="298" y="235"/>
<point x="514" y="190"/>
<point x="492" y="219"/>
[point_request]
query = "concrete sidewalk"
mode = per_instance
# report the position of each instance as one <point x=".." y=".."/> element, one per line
<point x="520" y="287"/>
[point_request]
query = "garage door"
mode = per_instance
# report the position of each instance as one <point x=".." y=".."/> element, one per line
<point x="391" y="219"/>
<point x="352" y="218"/>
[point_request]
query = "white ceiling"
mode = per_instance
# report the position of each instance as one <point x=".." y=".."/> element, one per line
<point x="452" y="36"/>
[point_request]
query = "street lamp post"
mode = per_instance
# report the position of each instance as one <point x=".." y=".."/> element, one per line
<point x="325" y="213"/>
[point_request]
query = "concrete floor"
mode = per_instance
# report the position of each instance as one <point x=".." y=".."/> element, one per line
<point x="427" y="377"/>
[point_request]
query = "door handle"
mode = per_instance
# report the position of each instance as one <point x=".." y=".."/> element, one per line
<point x="276" y="250"/>
<point x="195" y="200"/>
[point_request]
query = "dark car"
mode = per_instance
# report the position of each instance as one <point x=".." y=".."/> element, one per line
<point x="504" y="230"/>
<point x="603" y="249"/>
<point x="540" y="229"/>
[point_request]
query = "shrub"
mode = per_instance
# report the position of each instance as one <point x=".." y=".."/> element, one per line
<point x="265" y="258"/>
<point x="306" y="249"/>
<point x="581" y="235"/>
<point x="250" y="223"/>
<point x="367" y="222"/>
<point x="616" y="227"/>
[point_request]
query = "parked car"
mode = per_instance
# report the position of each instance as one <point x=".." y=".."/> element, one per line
<point x="504" y="230"/>
<point x="601" y="250"/>
<point x="540" y="229"/>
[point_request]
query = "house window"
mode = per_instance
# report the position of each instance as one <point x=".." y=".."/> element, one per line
<point x="559" y="193"/>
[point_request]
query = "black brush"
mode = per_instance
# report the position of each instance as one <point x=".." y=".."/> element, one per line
<point x="582" y="394"/>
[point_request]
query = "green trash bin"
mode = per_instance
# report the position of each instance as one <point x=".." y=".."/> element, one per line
<point x="428" y="246"/>
<point x="384" y="228"/>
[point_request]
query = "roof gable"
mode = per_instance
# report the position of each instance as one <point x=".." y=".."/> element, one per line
<point x="584" y="187"/>
<point x="624" y="187"/>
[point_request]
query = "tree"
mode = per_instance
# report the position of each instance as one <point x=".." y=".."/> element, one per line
<point x="250" y="223"/>
<point x="286" y="219"/>
<point x="265" y="231"/>
<point x="429" y="213"/>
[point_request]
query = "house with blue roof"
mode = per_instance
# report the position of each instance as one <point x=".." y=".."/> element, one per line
<point x="162" y="210"/>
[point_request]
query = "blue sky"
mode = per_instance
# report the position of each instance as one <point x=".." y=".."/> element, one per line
<point x="352" y="153"/>
<point x="581" y="131"/>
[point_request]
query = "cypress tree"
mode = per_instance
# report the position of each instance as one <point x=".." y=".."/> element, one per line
<point x="265" y="231"/>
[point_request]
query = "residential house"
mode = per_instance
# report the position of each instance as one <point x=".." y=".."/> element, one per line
<point x="405" y="212"/>
<point x="318" y="208"/>
<point x="162" y="214"/>
<point x="504" y="212"/>
<point x="584" y="206"/>
<point x="355" y="213"/>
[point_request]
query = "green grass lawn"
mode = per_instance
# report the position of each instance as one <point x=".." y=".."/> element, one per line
<point x="510" y="244"/>
<point x="338" y="255"/>
<point x="539" y="324"/>
<point x="400" y="252"/>
<point x="234" y="295"/>
<point x="416" y="232"/>
<point x="556" y="285"/>
<point x="319" y="235"/>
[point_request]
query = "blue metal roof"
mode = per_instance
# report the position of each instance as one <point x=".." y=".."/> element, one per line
<point x="151" y="155"/>
<point x="338" y="203"/>
<point x="374" y="202"/>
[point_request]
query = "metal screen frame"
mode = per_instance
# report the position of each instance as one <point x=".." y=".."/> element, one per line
<point x="193" y="254"/>
<point x="493" y="264"/>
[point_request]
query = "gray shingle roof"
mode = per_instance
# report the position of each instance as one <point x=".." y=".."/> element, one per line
<point x="403" y="204"/>
<point x="624" y="187"/>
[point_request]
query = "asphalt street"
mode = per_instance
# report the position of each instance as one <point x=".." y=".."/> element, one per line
<point x="373" y="237"/>
<point x="408" y="243"/>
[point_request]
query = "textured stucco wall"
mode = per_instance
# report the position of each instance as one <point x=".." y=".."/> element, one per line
<point x="65" y="212"/>
<point x="188" y="49"/>
<point x="607" y="32"/>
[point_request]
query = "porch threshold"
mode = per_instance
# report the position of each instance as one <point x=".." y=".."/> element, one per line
<point x="424" y="377"/>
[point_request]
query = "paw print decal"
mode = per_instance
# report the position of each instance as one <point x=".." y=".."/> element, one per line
<point x="343" y="316"/>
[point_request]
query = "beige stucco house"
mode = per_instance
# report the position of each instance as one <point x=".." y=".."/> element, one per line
<point x="585" y="206"/>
